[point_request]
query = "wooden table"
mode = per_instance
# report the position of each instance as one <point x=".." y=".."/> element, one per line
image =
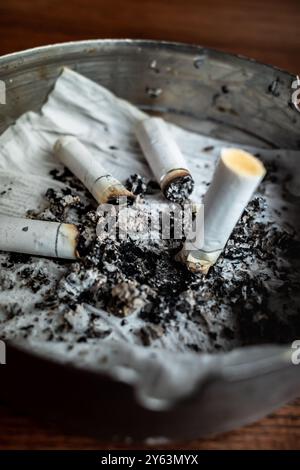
<point x="279" y="431"/>
<point x="267" y="31"/>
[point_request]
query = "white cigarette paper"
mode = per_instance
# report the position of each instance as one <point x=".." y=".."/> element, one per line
<point x="89" y="171"/>
<point x="163" y="154"/>
<point x="237" y="175"/>
<point x="38" y="237"/>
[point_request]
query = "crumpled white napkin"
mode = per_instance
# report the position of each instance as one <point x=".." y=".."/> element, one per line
<point x="104" y="123"/>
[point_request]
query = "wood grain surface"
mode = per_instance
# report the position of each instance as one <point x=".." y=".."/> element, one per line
<point x="267" y="31"/>
<point x="280" y="431"/>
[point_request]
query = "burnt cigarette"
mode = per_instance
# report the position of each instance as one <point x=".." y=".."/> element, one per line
<point x="237" y="176"/>
<point x="104" y="187"/>
<point x="38" y="237"/>
<point x="165" y="159"/>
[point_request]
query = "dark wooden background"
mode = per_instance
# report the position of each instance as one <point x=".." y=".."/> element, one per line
<point x="265" y="30"/>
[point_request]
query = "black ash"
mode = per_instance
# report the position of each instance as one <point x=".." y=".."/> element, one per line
<point x="180" y="189"/>
<point x="136" y="184"/>
<point x="245" y="299"/>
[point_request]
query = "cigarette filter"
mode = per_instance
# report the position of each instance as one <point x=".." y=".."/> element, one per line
<point x="38" y="237"/>
<point x="165" y="159"/>
<point x="91" y="173"/>
<point x="237" y="175"/>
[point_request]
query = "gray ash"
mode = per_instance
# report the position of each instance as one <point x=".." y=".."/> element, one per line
<point x="123" y="277"/>
<point x="136" y="184"/>
<point x="34" y="279"/>
<point x="61" y="202"/>
<point x="65" y="176"/>
<point x="10" y="310"/>
<point x="17" y="258"/>
<point x="247" y="297"/>
<point x="180" y="189"/>
<point x="118" y="276"/>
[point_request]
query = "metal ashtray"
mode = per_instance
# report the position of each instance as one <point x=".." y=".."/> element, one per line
<point x="184" y="83"/>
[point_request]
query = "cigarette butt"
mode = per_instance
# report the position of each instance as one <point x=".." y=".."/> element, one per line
<point x="237" y="176"/>
<point x="104" y="187"/>
<point x="38" y="237"/>
<point x="165" y="159"/>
